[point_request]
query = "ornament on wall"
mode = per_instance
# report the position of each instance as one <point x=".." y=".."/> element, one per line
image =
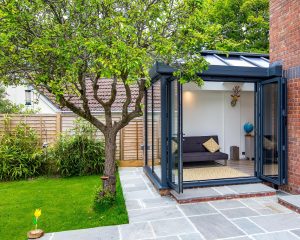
<point x="236" y="90"/>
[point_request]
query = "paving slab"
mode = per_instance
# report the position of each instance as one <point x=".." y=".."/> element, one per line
<point x="166" y="238"/>
<point x="104" y="233"/>
<point x="239" y="238"/>
<point x="239" y="212"/>
<point x="194" y="193"/>
<point x="136" y="231"/>
<point x="215" y="227"/>
<point x="151" y="214"/>
<point x="225" y="204"/>
<point x="247" y="226"/>
<point x="133" y="204"/>
<point x="174" y="226"/>
<point x="251" y="188"/>
<point x="276" y="236"/>
<point x="191" y="236"/>
<point x="225" y="192"/>
<point x="197" y="209"/>
<point x="154" y="217"/>
<point x="158" y="202"/>
<point x="138" y="195"/>
<point x="296" y="231"/>
<point x="291" y="200"/>
<point x="277" y="222"/>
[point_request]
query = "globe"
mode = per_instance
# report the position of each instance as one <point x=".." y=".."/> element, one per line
<point x="248" y="127"/>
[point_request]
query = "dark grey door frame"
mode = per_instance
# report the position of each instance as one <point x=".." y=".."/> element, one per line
<point x="281" y="129"/>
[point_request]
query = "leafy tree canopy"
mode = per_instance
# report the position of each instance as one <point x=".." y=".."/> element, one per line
<point x="60" y="44"/>
<point x="236" y="25"/>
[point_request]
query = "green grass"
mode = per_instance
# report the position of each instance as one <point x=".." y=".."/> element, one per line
<point x="66" y="203"/>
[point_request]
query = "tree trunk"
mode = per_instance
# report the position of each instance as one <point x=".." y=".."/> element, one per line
<point x="109" y="185"/>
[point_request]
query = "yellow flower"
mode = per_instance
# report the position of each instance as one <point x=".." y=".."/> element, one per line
<point x="37" y="213"/>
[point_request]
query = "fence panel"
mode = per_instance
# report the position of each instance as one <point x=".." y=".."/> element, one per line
<point x="44" y="124"/>
<point x="50" y="126"/>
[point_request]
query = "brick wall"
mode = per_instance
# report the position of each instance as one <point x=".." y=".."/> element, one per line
<point x="285" y="47"/>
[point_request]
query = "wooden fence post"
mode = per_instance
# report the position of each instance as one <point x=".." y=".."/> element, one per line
<point x="58" y="124"/>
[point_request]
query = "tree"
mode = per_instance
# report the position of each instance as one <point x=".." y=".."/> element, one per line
<point x="61" y="45"/>
<point x="235" y="25"/>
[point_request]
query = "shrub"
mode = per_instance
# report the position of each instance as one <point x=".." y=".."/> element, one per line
<point x="21" y="154"/>
<point x="78" y="152"/>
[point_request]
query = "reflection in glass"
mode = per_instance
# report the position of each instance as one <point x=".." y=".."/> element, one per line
<point x="174" y="131"/>
<point x="149" y="127"/>
<point x="270" y="130"/>
<point x="156" y="129"/>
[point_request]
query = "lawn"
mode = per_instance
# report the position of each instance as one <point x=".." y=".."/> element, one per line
<point x="66" y="203"/>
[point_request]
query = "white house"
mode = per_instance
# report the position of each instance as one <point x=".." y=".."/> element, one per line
<point x="31" y="99"/>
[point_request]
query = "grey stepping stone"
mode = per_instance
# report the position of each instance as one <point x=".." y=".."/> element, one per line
<point x="276" y="236"/>
<point x="138" y="195"/>
<point x="251" y="188"/>
<point x="278" y="222"/>
<point x="47" y="236"/>
<point x="131" y="180"/>
<point x="239" y="212"/>
<point x="173" y="226"/>
<point x="277" y="208"/>
<point x="134" y="187"/>
<point x="191" y="236"/>
<point x="103" y="233"/>
<point x="196" y="193"/>
<point x="151" y="214"/>
<point x="158" y="202"/>
<point x="251" y="202"/>
<point x="297" y="232"/>
<point x="248" y="226"/>
<point x="136" y="231"/>
<point x="133" y="204"/>
<point x="224" y="190"/>
<point x="215" y="226"/>
<point x="240" y="238"/>
<point x="291" y="199"/>
<point x="227" y="204"/>
<point x="165" y="238"/>
<point x="197" y="209"/>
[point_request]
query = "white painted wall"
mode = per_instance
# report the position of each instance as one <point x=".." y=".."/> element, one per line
<point x="39" y="102"/>
<point x="209" y="112"/>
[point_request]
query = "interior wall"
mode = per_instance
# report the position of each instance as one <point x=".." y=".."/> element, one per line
<point x="209" y="112"/>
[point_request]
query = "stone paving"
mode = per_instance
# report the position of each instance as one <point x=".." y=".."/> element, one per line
<point x="162" y="218"/>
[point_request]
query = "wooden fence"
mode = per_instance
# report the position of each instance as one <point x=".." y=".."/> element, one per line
<point x="50" y="126"/>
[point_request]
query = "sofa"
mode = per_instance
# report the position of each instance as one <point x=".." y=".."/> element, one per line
<point x="194" y="151"/>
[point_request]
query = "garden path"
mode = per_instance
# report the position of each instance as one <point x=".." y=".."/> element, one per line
<point x="153" y="217"/>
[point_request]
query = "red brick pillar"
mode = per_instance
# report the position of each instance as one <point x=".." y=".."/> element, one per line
<point x="285" y="47"/>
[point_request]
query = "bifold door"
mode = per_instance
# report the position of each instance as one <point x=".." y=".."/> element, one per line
<point x="272" y="129"/>
<point x="175" y="171"/>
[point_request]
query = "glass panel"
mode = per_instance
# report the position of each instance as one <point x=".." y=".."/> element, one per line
<point x="174" y="128"/>
<point x="238" y="62"/>
<point x="156" y="129"/>
<point x="270" y="130"/>
<point x="149" y="127"/>
<point x="217" y="112"/>
<point x="259" y="61"/>
<point x="213" y="60"/>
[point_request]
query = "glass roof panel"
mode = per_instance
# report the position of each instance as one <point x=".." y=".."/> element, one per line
<point x="214" y="61"/>
<point x="260" y="62"/>
<point x="238" y="62"/>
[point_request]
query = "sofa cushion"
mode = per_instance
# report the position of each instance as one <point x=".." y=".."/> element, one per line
<point x="204" y="156"/>
<point x="211" y="145"/>
<point x="195" y="144"/>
